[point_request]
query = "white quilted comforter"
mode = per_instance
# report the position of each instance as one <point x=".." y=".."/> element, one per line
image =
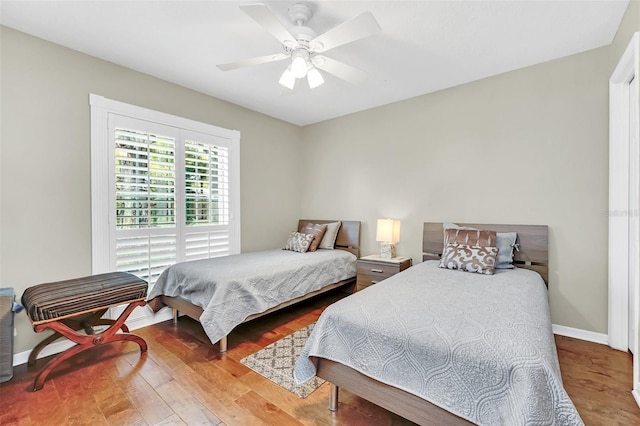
<point x="231" y="288"/>
<point x="479" y="346"/>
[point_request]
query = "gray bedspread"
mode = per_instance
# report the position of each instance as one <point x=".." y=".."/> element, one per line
<point x="231" y="288"/>
<point x="478" y="346"/>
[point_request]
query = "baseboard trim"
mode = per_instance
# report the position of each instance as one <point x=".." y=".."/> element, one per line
<point x="57" y="347"/>
<point x="636" y="395"/>
<point x="576" y="333"/>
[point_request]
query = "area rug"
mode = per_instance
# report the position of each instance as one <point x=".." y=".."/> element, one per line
<point x="276" y="361"/>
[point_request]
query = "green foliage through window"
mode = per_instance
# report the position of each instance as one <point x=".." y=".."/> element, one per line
<point x="145" y="180"/>
<point x="206" y="184"/>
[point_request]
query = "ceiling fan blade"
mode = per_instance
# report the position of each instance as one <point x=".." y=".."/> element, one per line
<point x="263" y="16"/>
<point x="359" y="27"/>
<point x="340" y="69"/>
<point x="253" y="61"/>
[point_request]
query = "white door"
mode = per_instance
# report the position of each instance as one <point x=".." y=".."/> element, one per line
<point x="634" y="213"/>
<point x="624" y="180"/>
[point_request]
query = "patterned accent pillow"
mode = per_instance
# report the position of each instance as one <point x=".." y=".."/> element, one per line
<point x="505" y="241"/>
<point x="470" y="237"/>
<point x="298" y="242"/>
<point x="317" y="230"/>
<point x="463" y="257"/>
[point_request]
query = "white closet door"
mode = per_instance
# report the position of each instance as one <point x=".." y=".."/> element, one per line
<point x="634" y="152"/>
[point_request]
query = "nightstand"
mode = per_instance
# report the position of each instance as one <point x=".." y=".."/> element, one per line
<point x="373" y="269"/>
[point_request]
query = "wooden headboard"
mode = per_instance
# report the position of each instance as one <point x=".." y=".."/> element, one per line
<point x="533" y="241"/>
<point x="348" y="235"/>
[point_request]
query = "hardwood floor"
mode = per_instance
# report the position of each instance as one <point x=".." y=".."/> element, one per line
<point x="183" y="379"/>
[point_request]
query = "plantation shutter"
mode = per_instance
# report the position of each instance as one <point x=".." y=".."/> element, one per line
<point x="207" y="207"/>
<point x="144" y="195"/>
<point x="170" y="196"/>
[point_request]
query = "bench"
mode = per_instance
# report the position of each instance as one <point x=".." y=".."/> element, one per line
<point x="78" y="304"/>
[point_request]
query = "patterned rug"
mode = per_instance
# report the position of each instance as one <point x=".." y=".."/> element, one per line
<point x="276" y="361"/>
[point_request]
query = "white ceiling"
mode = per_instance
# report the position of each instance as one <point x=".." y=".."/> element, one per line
<point x="424" y="46"/>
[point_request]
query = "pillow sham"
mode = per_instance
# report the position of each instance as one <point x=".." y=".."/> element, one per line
<point x="505" y="241"/>
<point x="475" y="237"/>
<point x="298" y="242"/>
<point x="330" y="235"/>
<point x="463" y="257"/>
<point x="317" y="230"/>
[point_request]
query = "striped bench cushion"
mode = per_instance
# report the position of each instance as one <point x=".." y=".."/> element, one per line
<point x="46" y="302"/>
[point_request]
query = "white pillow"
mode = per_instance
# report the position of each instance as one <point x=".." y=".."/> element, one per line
<point x="330" y="235"/>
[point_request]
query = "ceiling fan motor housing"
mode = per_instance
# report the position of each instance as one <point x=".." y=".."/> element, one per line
<point x="300" y="13"/>
<point x="303" y="37"/>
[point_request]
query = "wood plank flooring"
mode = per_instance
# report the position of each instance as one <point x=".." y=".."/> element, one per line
<point x="183" y="379"/>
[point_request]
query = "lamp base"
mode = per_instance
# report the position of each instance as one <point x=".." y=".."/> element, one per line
<point x="387" y="250"/>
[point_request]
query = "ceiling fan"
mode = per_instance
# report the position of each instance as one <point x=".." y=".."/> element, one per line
<point x="304" y="48"/>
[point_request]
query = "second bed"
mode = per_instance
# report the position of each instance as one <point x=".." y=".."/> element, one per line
<point x="440" y="346"/>
<point x="224" y="292"/>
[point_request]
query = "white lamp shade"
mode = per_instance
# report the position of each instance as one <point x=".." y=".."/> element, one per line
<point x="299" y="66"/>
<point x="388" y="231"/>
<point x="288" y="80"/>
<point x="314" y="78"/>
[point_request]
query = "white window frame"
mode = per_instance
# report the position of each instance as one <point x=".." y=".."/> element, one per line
<point x="101" y="173"/>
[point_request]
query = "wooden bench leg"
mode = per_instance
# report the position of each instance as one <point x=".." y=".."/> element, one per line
<point x="86" y="324"/>
<point x="33" y="356"/>
<point x="85" y="342"/>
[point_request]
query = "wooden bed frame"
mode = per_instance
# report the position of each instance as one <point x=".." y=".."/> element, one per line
<point x="533" y="244"/>
<point x="348" y="239"/>
<point x="533" y="255"/>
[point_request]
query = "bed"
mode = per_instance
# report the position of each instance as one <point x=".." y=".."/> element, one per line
<point x="222" y="293"/>
<point x="446" y="347"/>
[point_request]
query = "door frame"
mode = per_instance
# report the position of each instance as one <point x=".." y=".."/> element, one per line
<point x="624" y="202"/>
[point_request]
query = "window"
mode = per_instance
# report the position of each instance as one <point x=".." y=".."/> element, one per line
<point x="164" y="189"/>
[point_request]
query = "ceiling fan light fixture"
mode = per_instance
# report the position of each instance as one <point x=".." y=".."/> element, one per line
<point x="314" y="78"/>
<point x="287" y="79"/>
<point x="299" y="64"/>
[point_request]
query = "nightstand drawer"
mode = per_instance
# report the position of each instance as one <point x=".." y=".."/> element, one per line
<point x="367" y="280"/>
<point x="377" y="269"/>
<point x="373" y="269"/>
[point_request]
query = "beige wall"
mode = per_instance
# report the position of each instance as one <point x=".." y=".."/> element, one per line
<point x="45" y="176"/>
<point x="524" y="147"/>
<point x="629" y="25"/>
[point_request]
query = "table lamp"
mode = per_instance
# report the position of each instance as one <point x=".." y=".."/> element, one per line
<point x="388" y="234"/>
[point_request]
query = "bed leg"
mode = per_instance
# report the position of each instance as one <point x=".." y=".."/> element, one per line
<point x="333" y="398"/>
<point x="175" y="316"/>
<point x="223" y="344"/>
